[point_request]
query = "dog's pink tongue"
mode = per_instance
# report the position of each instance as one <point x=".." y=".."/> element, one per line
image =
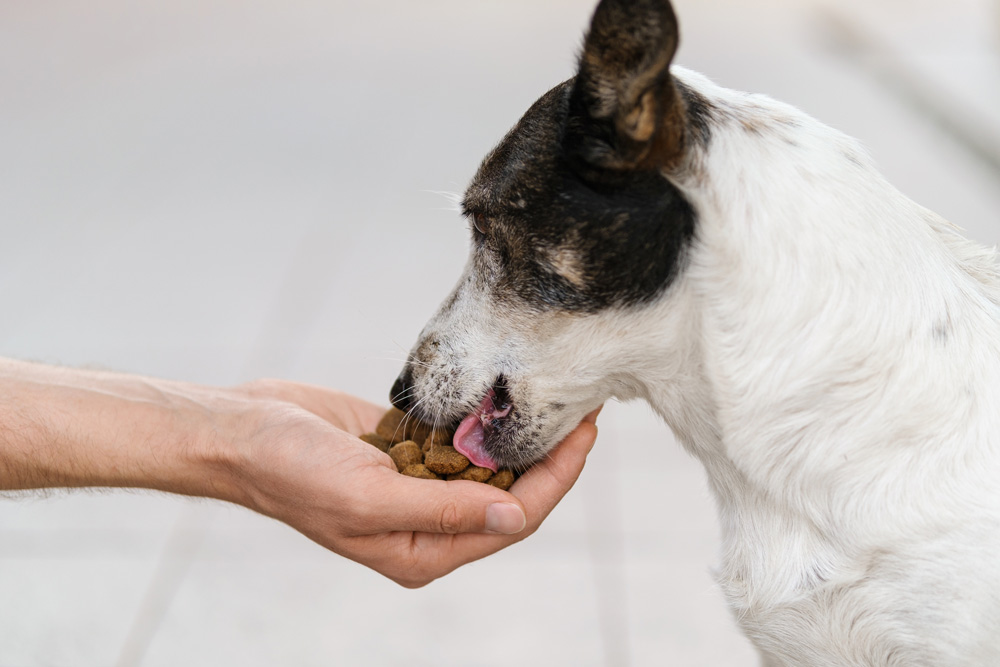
<point x="469" y="441"/>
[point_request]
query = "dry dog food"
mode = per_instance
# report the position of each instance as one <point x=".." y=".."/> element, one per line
<point x="426" y="453"/>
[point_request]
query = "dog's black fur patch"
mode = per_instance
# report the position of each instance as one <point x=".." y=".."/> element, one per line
<point x="572" y="210"/>
<point x="532" y="198"/>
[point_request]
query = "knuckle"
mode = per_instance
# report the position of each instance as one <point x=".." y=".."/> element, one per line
<point x="412" y="582"/>
<point x="450" y="518"/>
<point x="411" y="574"/>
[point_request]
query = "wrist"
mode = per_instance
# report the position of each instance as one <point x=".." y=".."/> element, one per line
<point x="191" y="440"/>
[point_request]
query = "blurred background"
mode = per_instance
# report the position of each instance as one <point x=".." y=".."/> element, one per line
<point x="214" y="191"/>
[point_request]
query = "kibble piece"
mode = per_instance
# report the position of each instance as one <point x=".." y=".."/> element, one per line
<point x="418" y="470"/>
<point x="473" y="474"/>
<point x="502" y="480"/>
<point x="376" y="440"/>
<point x="445" y="460"/>
<point x="397" y="426"/>
<point x="438" y="436"/>
<point x="405" y="453"/>
<point x="416" y="430"/>
<point x="390" y="426"/>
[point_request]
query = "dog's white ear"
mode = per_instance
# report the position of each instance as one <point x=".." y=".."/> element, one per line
<point x="625" y="110"/>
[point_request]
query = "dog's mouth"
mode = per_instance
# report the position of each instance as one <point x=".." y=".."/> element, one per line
<point x="475" y="431"/>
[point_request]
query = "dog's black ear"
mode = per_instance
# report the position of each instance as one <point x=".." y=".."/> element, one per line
<point x="625" y="111"/>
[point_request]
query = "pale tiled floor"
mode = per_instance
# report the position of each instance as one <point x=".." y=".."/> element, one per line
<point x="215" y="190"/>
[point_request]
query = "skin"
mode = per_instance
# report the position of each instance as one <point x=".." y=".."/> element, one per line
<point x="286" y="450"/>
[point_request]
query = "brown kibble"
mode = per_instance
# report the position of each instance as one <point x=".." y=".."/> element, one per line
<point x="390" y="426"/>
<point x="376" y="440"/>
<point x="502" y="480"/>
<point x="397" y="426"/>
<point x="438" y="436"/>
<point x="418" y="470"/>
<point x="473" y="474"/>
<point x="416" y="430"/>
<point x="406" y="453"/>
<point x="445" y="460"/>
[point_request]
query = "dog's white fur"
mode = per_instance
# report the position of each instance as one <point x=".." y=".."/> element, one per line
<point x="850" y="343"/>
<point x="831" y="353"/>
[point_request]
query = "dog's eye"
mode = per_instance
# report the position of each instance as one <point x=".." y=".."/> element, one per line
<point x="479" y="222"/>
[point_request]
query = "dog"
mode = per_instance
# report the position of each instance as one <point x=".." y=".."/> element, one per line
<point x="828" y="349"/>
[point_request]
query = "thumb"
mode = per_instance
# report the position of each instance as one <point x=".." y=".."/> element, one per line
<point x="432" y="506"/>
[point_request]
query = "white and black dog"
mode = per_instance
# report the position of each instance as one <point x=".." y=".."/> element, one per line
<point x="827" y="348"/>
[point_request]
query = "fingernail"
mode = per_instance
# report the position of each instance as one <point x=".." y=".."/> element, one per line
<point x="505" y="518"/>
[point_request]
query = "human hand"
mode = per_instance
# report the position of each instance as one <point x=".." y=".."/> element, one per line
<point x="283" y="449"/>
<point x="301" y="463"/>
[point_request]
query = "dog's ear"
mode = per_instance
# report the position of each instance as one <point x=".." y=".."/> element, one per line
<point x="625" y="111"/>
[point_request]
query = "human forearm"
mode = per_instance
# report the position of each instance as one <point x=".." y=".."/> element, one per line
<point x="72" y="428"/>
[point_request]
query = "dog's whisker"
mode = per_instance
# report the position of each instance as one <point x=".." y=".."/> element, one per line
<point x="454" y="199"/>
<point x="414" y="362"/>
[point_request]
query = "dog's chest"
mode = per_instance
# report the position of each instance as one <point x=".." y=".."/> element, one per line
<point x="807" y="599"/>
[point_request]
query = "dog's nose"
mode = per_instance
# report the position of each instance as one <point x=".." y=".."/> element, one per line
<point x="401" y="394"/>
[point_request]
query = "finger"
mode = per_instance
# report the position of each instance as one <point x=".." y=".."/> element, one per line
<point x="591" y="418"/>
<point x="542" y="487"/>
<point x="367" y="415"/>
<point x="350" y="413"/>
<point x="442" y="507"/>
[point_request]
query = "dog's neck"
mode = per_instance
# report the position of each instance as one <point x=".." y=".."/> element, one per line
<point x="821" y="368"/>
<point x="816" y="339"/>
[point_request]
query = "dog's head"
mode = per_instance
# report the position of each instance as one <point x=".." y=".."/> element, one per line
<point x="575" y="229"/>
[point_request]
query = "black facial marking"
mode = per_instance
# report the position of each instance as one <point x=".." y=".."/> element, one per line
<point x="562" y="233"/>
